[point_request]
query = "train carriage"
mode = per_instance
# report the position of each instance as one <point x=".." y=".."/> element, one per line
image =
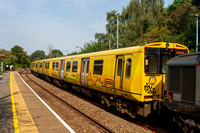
<point x="132" y="79"/>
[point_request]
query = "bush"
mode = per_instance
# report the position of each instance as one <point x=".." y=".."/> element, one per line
<point x="1" y="73"/>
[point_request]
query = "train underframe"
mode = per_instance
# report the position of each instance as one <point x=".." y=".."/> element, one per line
<point x="178" y="121"/>
<point x="123" y="105"/>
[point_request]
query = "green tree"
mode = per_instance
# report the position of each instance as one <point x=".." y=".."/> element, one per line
<point x="138" y="17"/>
<point x="181" y="25"/>
<point x="22" y="59"/>
<point x="90" y="47"/>
<point x="56" y="53"/>
<point x="196" y="3"/>
<point x="37" y="55"/>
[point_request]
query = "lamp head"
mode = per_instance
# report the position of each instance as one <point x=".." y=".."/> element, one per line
<point x="117" y="13"/>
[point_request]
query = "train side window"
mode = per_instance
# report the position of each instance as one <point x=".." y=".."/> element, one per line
<point x="74" y="66"/>
<point x="53" y="66"/>
<point x="68" y="66"/>
<point x="98" y="67"/>
<point x="128" y="68"/>
<point x="48" y="65"/>
<point x="57" y="65"/>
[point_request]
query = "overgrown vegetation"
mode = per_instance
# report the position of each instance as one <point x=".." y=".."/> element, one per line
<point x="148" y="21"/>
<point x="1" y="73"/>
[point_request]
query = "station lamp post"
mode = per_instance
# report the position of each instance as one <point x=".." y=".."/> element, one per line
<point x="197" y="17"/>
<point x="1" y="61"/>
<point x="117" y="26"/>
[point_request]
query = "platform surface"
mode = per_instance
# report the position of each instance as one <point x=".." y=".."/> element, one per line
<point x="6" y="116"/>
<point x="22" y="111"/>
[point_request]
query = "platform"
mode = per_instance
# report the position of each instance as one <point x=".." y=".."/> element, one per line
<point x="22" y="111"/>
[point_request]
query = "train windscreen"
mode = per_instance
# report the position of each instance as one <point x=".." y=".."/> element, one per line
<point x="156" y="59"/>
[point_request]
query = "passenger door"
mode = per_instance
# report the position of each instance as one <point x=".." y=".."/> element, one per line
<point x="38" y="66"/>
<point x="84" y="71"/>
<point x="43" y="67"/>
<point x="119" y="73"/>
<point x="62" y="69"/>
<point x="127" y="76"/>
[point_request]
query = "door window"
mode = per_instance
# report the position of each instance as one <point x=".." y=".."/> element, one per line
<point x="68" y="66"/>
<point x="83" y="66"/>
<point x="53" y="66"/>
<point x="128" y="68"/>
<point x="57" y="65"/>
<point x="87" y="66"/>
<point x="119" y="68"/>
<point x="74" y="66"/>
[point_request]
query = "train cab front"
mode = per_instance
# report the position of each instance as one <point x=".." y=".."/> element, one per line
<point x="155" y="58"/>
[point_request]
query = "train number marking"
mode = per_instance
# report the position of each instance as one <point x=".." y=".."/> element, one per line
<point x="186" y="108"/>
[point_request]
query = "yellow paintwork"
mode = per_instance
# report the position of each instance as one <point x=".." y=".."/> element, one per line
<point x="137" y="87"/>
<point x="47" y="71"/>
<point x="72" y="77"/>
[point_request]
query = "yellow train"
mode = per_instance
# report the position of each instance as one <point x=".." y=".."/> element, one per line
<point x="132" y="79"/>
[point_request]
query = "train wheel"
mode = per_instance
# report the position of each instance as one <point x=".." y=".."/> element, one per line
<point x="103" y="101"/>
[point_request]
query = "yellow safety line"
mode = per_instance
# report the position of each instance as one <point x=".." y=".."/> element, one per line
<point x="15" y="121"/>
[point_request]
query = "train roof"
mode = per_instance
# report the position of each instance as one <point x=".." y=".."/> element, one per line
<point x="123" y="50"/>
<point x="192" y="59"/>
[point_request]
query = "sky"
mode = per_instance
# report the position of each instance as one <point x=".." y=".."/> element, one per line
<point x="63" y="24"/>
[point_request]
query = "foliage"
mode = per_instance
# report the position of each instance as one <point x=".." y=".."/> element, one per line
<point x="73" y="53"/>
<point x="196" y="3"/>
<point x="56" y="53"/>
<point x="136" y="20"/>
<point x="21" y="56"/>
<point x="157" y="34"/>
<point x="37" y="55"/>
<point x="1" y="73"/>
<point x="90" y="47"/>
<point x="146" y="21"/>
<point x="182" y="25"/>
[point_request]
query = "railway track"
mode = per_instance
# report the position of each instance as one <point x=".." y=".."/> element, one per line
<point x="91" y="120"/>
<point x="96" y="123"/>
